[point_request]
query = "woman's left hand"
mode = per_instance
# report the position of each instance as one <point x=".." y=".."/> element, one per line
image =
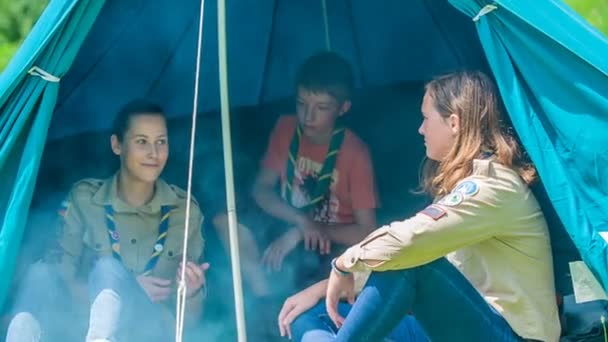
<point x="195" y="277"/>
<point x="339" y="286"/>
<point x="297" y="304"/>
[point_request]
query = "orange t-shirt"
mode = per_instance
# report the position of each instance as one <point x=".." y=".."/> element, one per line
<point x="353" y="186"/>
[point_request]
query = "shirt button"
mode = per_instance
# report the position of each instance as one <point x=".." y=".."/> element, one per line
<point x="97" y="245"/>
<point x="133" y="241"/>
<point x="170" y="253"/>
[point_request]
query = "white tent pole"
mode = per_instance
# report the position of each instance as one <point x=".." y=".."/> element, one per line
<point x="228" y="170"/>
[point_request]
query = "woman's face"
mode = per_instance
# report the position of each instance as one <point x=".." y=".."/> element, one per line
<point x="144" y="148"/>
<point x="439" y="133"/>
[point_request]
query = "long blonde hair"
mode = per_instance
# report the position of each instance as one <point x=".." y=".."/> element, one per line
<point x="474" y="98"/>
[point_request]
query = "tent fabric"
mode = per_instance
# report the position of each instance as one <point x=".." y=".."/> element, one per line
<point x="148" y="48"/>
<point x="552" y="72"/>
<point x="27" y="104"/>
<point x="547" y="62"/>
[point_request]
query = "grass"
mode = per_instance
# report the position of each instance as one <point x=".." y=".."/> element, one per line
<point x="594" y="11"/>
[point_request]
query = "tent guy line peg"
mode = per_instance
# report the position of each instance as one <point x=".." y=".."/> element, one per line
<point x="36" y="71"/>
<point x="485" y="10"/>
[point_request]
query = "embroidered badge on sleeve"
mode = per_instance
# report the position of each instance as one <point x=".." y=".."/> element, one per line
<point x="434" y="212"/>
<point x="467" y="188"/>
<point x="451" y="199"/>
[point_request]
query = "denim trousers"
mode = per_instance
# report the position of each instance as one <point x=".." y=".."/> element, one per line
<point x="444" y="303"/>
<point x="315" y="325"/>
<point x="120" y="308"/>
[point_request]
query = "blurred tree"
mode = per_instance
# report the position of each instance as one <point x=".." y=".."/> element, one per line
<point x="595" y="11"/>
<point x="16" y="20"/>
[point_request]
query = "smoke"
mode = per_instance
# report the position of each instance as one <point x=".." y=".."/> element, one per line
<point x="386" y="118"/>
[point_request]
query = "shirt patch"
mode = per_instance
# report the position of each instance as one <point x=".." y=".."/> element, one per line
<point x="467" y="188"/>
<point x="451" y="199"/>
<point x="63" y="209"/>
<point x="433" y="212"/>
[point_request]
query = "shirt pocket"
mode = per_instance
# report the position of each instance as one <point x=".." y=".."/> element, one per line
<point x="171" y="256"/>
<point x="97" y="240"/>
<point x="96" y="245"/>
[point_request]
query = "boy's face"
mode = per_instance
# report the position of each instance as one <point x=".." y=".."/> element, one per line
<point x="317" y="112"/>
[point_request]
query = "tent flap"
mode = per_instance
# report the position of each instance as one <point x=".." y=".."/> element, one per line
<point x="60" y="31"/>
<point x="554" y="85"/>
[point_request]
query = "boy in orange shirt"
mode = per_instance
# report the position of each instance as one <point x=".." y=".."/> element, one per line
<point x="328" y="194"/>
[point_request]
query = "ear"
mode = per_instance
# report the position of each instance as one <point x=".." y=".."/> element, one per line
<point x="454" y="122"/>
<point x="116" y="147"/>
<point x="345" y="107"/>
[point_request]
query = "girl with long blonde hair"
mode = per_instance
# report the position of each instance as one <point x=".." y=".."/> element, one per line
<point x="476" y="264"/>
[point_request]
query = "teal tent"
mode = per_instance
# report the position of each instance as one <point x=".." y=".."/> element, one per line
<point x="83" y="59"/>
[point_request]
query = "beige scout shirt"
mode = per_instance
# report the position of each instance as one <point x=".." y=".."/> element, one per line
<point x="84" y="233"/>
<point x="497" y="237"/>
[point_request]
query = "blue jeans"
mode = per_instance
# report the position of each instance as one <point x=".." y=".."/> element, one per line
<point x="443" y="301"/>
<point x="138" y="317"/>
<point x="315" y="325"/>
<point x="42" y="308"/>
<point x="44" y="296"/>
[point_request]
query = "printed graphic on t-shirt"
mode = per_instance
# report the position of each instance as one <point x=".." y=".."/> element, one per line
<point x="305" y="180"/>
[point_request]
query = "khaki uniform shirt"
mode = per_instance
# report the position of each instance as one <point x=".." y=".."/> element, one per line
<point x="493" y="231"/>
<point x="84" y="233"/>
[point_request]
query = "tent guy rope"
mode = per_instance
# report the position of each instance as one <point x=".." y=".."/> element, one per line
<point x="181" y="289"/>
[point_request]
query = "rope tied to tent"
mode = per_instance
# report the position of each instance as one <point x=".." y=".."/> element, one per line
<point x="47" y="76"/>
<point x="485" y="10"/>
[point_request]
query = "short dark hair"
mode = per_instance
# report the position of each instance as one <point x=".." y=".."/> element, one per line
<point x="327" y="72"/>
<point x="131" y="109"/>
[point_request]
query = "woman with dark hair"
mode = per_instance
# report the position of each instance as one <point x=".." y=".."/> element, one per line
<point x="125" y="233"/>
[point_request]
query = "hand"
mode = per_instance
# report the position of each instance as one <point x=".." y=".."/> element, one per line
<point x="339" y="286"/>
<point x="279" y="248"/>
<point x="195" y="277"/>
<point x="314" y="236"/>
<point x="157" y="289"/>
<point x="294" y="306"/>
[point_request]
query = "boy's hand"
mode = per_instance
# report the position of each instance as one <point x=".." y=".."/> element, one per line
<point x="279" y="248"/>
<point x="315" y="237"/>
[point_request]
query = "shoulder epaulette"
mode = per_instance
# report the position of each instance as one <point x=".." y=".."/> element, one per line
<point x="87" y="185"/>
<point x="181" y="193"/>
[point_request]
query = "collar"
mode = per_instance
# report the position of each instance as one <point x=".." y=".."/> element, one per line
<point x="108" y="194"/>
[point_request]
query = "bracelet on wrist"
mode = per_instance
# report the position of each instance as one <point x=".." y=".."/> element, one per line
<point x="336" y="269"/>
